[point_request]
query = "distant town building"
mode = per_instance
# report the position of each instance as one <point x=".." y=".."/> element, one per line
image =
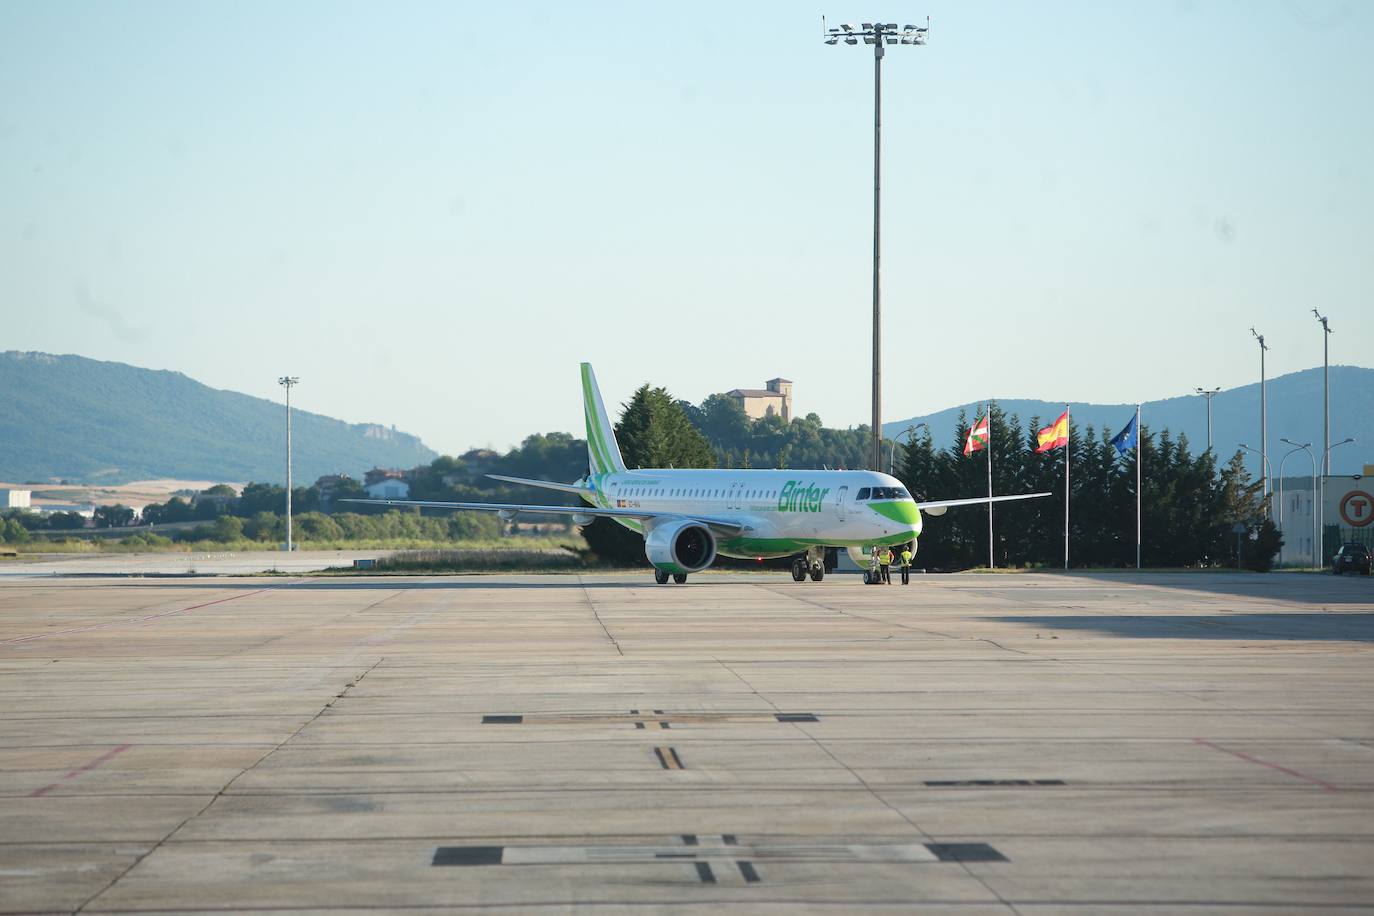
<point x="388" y="488"/>
<point x="377" y="475"/>
<point x="15" y="499"/>
<point x="775" y="400"/>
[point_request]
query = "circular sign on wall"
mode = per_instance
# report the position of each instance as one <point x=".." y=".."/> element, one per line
<point x="1357" y="508"/>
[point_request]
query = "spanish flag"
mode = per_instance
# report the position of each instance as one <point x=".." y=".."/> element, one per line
<point x="1056" y="435"/>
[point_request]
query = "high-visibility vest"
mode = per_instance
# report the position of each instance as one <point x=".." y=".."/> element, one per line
<point x="906" y="557"/>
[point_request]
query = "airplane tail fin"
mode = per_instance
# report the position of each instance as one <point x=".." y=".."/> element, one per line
<point x="603" y="454"/>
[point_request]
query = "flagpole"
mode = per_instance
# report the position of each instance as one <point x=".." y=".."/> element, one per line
<point x="991" y="563"/>
<point x="1137" y="487"/>
<point x="1068" y="426"/>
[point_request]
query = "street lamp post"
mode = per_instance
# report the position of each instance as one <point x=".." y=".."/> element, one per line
<point x="1326" y="462"/>
<point x="1326" y="393"/>
<point x="1264" y="470"/>
<point x="288" y="382"/>
<point x="1308" y="448"/>
<point x="1264" y="411"/>
<point x="877" y="34"/>
<point x="892" y="452"/>
<point x="1209" y="393"/>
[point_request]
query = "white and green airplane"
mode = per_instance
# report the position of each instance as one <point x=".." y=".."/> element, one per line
<point x="689" y="517"/>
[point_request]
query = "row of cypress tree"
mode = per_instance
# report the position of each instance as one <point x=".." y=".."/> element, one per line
<point x="1190" y="507"/>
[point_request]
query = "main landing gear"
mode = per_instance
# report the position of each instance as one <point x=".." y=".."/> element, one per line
<point x="661" y="577"/>
<point x="813" y="565"/>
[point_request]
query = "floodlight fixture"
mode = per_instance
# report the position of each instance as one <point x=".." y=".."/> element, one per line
<point x="879" y="35"/>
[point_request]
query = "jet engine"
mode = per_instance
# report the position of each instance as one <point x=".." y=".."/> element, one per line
<point x="680" y="547"/>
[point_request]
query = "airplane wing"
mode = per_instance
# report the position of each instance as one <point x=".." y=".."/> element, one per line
<point x="510" y="510"/>
<point x="975" y="501"/>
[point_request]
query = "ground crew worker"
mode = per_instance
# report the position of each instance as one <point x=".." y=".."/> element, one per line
<point x="885" y="564"/>
<point x="906" y="564"/>
<point x="874" y="577"/>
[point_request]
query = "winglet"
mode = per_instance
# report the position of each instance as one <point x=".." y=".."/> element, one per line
<point x="603" y="454"/>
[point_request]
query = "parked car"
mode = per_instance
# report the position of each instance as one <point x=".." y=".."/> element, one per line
<point x="1351" y="558"/>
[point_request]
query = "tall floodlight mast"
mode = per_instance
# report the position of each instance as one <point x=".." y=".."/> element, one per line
<point x="877" y="34"/>
<point x="1264" y="417"/>
<point x="1326" y="392"/>
<point x="1209" y="393"/>
<point x="288" y="382"/>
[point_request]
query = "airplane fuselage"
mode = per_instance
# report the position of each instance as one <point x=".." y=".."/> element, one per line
<point x="783" y="512"/>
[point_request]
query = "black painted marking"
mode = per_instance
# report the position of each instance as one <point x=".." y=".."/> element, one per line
<point x="796" y="717"/>
<point x="747" y="869"/>
<point x="705" y="874"/>
<point x="729" y="839"/>
<point x="664" y="725"/>
<point x="668" y="758"/>
<point x="689" y="839"/>
<point x="995" y="782"/>
<point x="965" y="852"/>
<point x="658" y="712"/>
<point x="468" y="855"/>
<point x="639" y="725"/>
<point x="502" y="720"/>
<point x="675" y="855"/>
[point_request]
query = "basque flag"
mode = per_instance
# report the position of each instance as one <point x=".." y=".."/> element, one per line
<point x="1128" y="438"/>
<point x="977" y="437"/>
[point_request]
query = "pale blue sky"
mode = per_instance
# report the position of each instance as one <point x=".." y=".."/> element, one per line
<point x="432" y="212"/>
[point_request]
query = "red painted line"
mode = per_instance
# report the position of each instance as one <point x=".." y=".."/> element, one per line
<point x="1265" y="763"/>
<point x="118" y="623"/>
<point x="84" y="768"/>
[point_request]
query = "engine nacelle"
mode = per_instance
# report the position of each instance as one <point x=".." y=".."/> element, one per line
<point x="680" y="547"/>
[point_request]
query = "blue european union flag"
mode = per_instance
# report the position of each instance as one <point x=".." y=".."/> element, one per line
<point x="1128" y="437"/>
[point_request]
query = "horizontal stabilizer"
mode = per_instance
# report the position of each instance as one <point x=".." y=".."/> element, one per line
<point x="546" y="484"/>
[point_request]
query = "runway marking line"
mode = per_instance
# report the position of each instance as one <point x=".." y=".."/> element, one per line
<point x="132" y="620"/>
<point x="668" y="758"/>
<point x="1265" y="763"/>
<point x="84" y="768"/>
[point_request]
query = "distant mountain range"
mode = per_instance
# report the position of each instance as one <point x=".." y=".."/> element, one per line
<point x="1295" y="412"/>
<point x="68" y="417"/>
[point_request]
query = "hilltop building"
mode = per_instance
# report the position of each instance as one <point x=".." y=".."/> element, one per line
<point x="775" y="400"/>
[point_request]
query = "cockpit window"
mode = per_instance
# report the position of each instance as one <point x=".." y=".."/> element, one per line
<point x="885" y="493"/>
<point x="863" y="494"/>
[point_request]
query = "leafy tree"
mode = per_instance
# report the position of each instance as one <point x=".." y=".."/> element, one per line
<point x="66" y="521"/>
<point x="227" y="529"/>
<point x="13" y="532"/>
<point x="117" y="516"/>
<point x="222" y="489"/>
<point x="175" y="509"/>
<point x="265" y="526"/>
<point x="655" y="433"/>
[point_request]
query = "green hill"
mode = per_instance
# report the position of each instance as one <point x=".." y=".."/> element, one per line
<point x="81" y="419"/>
